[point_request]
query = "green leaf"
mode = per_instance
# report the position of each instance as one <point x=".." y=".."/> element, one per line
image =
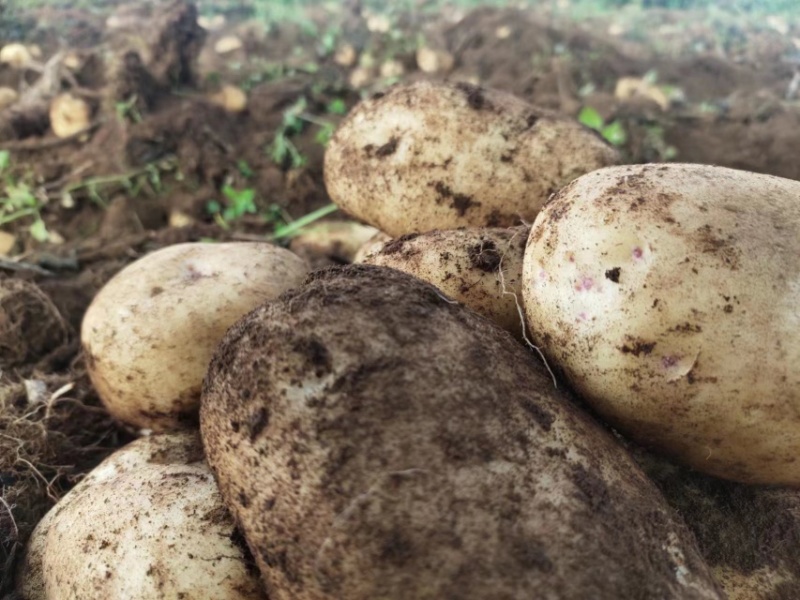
<point x="298" y="160"/>
<point x="241" y="202"/>
<point x="213" y="207"/>
<point x="325" y="134"/>
<point x="39" y="231"/>
<point x="337" y="107"/>
<point x="245" y="169"/>
<point x="20" y="196"/>
<point x="5" y="160"/>
<point x="591" y="118"/>
<point x="279" y="148"/>
<point x="614" y="133"/>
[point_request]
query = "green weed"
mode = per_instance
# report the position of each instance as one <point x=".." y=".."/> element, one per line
<point x="614" y="132"/>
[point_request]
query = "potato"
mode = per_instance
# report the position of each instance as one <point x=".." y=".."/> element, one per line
<point x="748" y="534"/>
<point x="375" y="440"/>
<point x="668" y="295"/>
<point x="479" y="267"/>
<point x="372" y="246"/>
<point x="332" y="242"/>
<point x="148" y="522"/>
<point x="149" y="333"/>
<point x="69" y="115"/>
<point x="440" y="156"/>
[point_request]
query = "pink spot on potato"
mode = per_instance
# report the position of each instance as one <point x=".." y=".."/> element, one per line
<point x="669" y="361"/>
<point x="584" y="284"/>
<point x="638" y="252"/>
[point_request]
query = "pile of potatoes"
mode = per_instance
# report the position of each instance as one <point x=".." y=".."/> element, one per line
<point x="432" y="421"/>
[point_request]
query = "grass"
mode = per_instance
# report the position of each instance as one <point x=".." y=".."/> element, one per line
<point x="20" y="202"/>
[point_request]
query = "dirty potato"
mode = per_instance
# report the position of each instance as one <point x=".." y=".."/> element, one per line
<point x="479" y="267"/>
<point x="668" y="295"/>
<point x="149" y="333"/>
<point x="148" y="522"/>
<point x="334" y="242"/>
<point x="376" y="440"/>
<point x="440" y="156"/>
<point x="748" y="534"/>
<point x="372" y="246"/>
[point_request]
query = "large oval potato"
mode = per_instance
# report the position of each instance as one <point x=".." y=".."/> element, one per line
<point x="669" y="296"/>
<point x="480" y="267"/>
<point x="375" y="440"/>
<point x="149" y="333"/>
<point x="440" y="156"/>
<point x="748" y="534"/>
<point x="148" y="522"/>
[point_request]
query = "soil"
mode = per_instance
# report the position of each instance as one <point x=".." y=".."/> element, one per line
<point x="159" y="152"/>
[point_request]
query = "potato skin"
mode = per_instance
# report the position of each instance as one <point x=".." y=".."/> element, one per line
<point x="332" y="242"/>
<point x="480" y="267"/>
<point x="748" y="534"/>
<point x="431" y="155"/>
<point x="148" y="522"/>
<point x="149" y="333"/>
<point x="375" y="440"/>
<point x="667" y="294"/>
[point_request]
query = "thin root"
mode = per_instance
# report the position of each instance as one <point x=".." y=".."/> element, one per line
<point x="521" y="312"/>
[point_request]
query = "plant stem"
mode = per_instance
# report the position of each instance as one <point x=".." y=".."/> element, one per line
<point x="25" y="212"/>
<point x="293" y="228"/>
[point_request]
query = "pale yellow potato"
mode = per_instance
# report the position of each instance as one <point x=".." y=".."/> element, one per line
<point x="336" y="240"/>
<point x="479" y="267"/>
<point x="148" y="522"/>
<point x="149" y="333"/>
<point x="376" y="440"/>
<point x="430" y="156"/>
<point x="231" y="98"/>
<point x="668" y="295"/>
<point x="69" y="115"/>
<point x="372" y="246"/>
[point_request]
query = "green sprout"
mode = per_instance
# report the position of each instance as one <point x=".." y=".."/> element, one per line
<point x="20" y="202"/>
<point x="238" y="203"/>
<point x="294" y="121"/>
<point x="613" y="133"/>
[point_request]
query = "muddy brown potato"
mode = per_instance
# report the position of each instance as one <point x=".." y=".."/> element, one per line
<point x="479" y="267"/>
<point x="440" y="156"/>
<point x="375" y="440"/>
<point x="668" y="295"/>
<point x="148" y="522"/>
<point x="748" y="534"/>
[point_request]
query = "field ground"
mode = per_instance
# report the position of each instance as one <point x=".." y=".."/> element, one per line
<point x="160" y="161"/>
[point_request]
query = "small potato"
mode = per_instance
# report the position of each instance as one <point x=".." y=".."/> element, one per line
<point x="69" y="115"/>
<point x="336" y="241"/>
<point x="480" y="267"/>
<point x="149" y="333"/>
<point x="148" y="522"/>
<point x="375" y="440"/>
<point x="430" y="156"/>
<point x="668" y="295"/>
<point x="231" y="98"/>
